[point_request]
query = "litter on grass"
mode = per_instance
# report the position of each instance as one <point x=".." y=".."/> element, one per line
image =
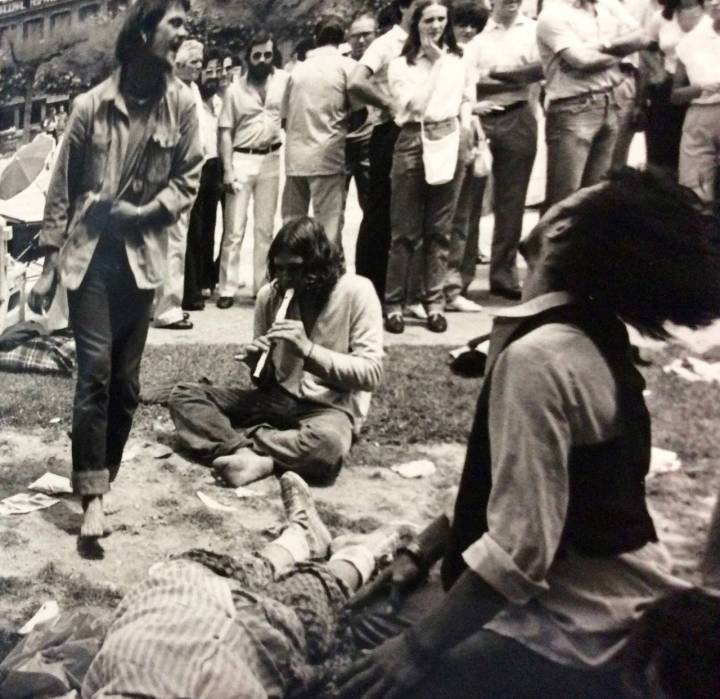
<point x="694" y="369"/>
<point x="212" y="504"/>
<point x="422" y="468"/>
<point x="24" y="503"/>
<point x="663" y="461"/>
<point x="49" y="610"/>
<point x="52" y="484"/>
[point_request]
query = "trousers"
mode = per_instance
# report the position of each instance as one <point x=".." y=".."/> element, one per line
<point x="298" y="434"/>
<point x="110" y="317"/>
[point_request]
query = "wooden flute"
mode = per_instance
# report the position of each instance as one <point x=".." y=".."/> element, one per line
<point x="279" y="315"/>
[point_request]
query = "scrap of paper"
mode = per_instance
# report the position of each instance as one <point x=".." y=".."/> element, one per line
<point x="422" y="468"/>
<point x="212" y="504"/>
<point x="52" y="484"/>
<point x="24" y="503"/>
<point x="663" y="461"/>
<point x="49" y="610"/>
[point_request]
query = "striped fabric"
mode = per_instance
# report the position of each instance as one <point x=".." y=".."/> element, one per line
<point x="189" y="633"/>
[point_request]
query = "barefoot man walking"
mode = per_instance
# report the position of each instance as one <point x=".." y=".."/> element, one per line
<point x="129" y="165"/>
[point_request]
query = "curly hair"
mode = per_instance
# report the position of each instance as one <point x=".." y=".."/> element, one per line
<point x="675" y="646"/>
<point x="641" y="246"/>
<point x="323" y="261"/>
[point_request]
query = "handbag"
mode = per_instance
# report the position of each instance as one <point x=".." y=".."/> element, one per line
<point x="482" y="158"/>
<point x="440" y="155"/>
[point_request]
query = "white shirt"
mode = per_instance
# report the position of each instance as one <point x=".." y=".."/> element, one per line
<point x="453" y="86"/>
<point x="669" y="32"/>
<point x="564" y="24"/>
<point x="254" y="123"/>
<point x="501" y="47"/>
<point x="209" y="113"/>
<point x="699" y="50"/>
<point x="377" y="58"/>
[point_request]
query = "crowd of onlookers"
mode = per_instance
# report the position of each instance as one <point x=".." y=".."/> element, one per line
<point x="372" y="99"/>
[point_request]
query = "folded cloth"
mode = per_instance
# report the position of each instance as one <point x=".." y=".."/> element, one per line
<point x="19" y="334"/>
<point x="49" y="354"/>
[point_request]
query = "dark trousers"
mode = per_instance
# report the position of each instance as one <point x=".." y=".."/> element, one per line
<point x="110" y="318"/>
<point x="513" y="143"/>
<point x="486" y="665"/>
<point x="357" y="165"/>
<point x="199" y="265"/>
<point x="664" y="127"/>
<point x="373" y="241"/>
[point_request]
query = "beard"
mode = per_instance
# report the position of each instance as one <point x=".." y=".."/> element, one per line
<point x="208" y="88"/>
<point x="260" y="72"/>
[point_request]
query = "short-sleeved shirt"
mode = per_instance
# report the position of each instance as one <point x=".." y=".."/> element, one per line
<point x="669" y="32"/>
<point x="254" y="123"/>
<point x="209" y="113"/>
<point x="316" y="109"/>
<point x="501" y="47"/>
<point x="377" y="59"/>
<point x="699" y="52"/>
<point x="564" y="24"/>
<point x="453" y="86"/>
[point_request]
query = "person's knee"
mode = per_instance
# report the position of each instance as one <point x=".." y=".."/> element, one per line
<point x="181" y="394"/>
<point x="321" y="451"/>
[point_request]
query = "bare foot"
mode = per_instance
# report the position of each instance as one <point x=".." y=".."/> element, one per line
<point x="93" y="525"/>
<point x="242" y="467"/>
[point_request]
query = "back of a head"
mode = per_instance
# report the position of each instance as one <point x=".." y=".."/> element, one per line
<point x="471" y="14"/>
<point x="642" y="247"/>
<point x="330" y="31"/>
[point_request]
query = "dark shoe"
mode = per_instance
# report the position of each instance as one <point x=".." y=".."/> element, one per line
<point x="197" y="305"/>
<point x="437" y="323"/>
<point x="483" y="259"/>
<point x="225" y="302"/>
<point x="394" y="323"/>
<point x="183" y="324"/>
<point x="510" y="294"/>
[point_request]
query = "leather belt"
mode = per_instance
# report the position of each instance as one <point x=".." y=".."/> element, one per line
<point x="258" y="151"/>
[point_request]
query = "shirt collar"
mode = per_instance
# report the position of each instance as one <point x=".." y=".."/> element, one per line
<point x="111" y="91"/>
<point x="491" y="25"/>
<point x="508" y="319"/>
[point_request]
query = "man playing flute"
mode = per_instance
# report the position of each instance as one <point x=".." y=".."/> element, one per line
<point x="312" y="396"/>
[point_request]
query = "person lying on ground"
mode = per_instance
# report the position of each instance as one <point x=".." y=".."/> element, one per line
<point x="324" y="359"/>
<point x="205" y="625"/>
<point x="552" y="554"/>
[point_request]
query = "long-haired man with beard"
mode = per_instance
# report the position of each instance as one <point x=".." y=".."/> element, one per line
<point x="129" y="165"/>
<point x="325" y="359"/>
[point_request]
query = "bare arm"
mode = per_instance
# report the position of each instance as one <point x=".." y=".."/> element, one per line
<point x="226" y="152"/>
<point x="682" y="91"/>
<point x="631" y="42"/>
<point x="362" y="89"/>
<point x="587" y="60"/>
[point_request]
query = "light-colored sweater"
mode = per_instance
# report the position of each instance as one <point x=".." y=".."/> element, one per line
<point x="345" y="364"/>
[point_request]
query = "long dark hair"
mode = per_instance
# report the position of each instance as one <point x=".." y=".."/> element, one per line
<point x="670" y="7"/>
<point x="641" y="246"/>
<point x="323" y="261"/>
<point x="142" y="18"/>
<point x="412" y="45"/>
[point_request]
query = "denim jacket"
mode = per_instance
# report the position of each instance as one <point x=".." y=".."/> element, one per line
<point x="91" y="172"/>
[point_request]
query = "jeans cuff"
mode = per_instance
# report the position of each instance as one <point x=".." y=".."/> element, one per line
<point x="91" y="482"/>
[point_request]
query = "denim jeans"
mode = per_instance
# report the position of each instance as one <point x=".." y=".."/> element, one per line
<point x="700" y="151"/>
<point x="485" y="665"/>
<point x="625" y="94"/>
<point x="513" y="144"/>
<point x="327" y="194"/>
<point x="298" y="434"/>
<point x="373" y="241"/>
<point x="110" y="318"/>
<point x="580" y="134"/>
<point x="421" y="217"/>
<point x="259" y="180"/>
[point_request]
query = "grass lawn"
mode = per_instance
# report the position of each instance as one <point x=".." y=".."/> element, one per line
<point x="419" y="407"/>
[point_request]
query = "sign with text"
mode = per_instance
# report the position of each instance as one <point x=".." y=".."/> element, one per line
<point x="9" y="7"/>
